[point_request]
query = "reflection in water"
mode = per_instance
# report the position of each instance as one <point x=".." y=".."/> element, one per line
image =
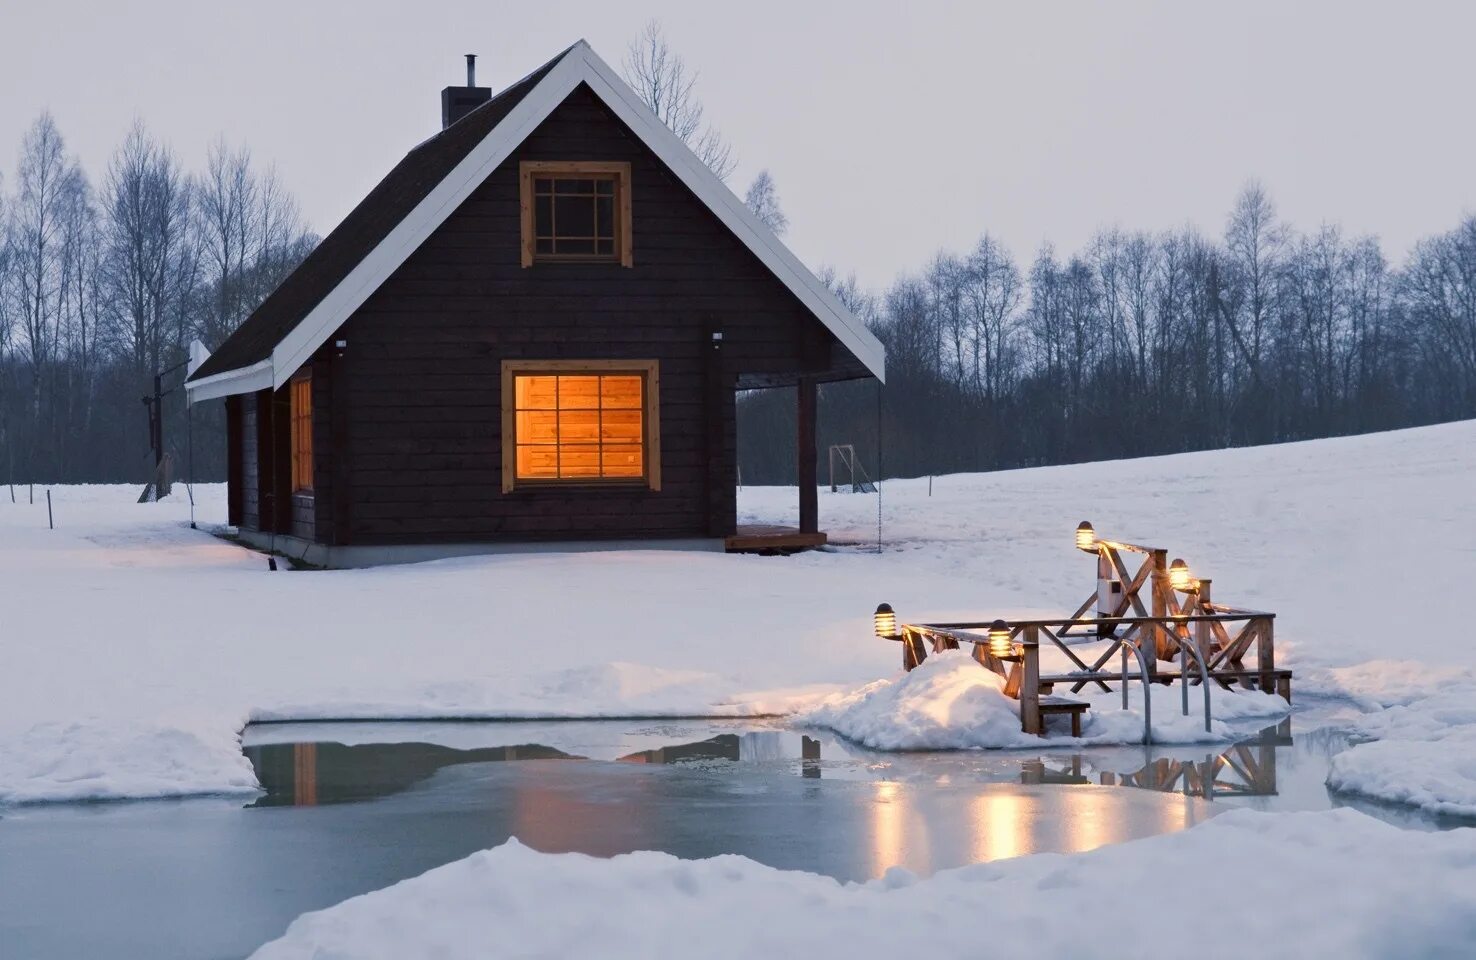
<point x="307" y="774"/>
<point x="1245" y="769"/>
<point x="998" y="821"/>
<point x="724" y="746"/>
<point x="887" y="813"/>
<point x="952" y="815"/>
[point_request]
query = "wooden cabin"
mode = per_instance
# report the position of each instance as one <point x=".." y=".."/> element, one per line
<point x="530" y="332"/>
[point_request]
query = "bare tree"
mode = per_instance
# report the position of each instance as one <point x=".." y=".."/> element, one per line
<point x="248" y="231"/>
<point x="992" y="295"/>
<point x="659" y="76"/>
<point x="151" y="259"/>
<point x="46" y="184"/>
<point x="1254" y="241"/>
<point x="763" y="200"/>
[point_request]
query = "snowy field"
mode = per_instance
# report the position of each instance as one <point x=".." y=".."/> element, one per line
<point x="134" y="649"/>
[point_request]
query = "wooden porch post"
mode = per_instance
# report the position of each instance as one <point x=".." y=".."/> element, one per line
<point x="1030" y="682"/>
<point x="809" y="494"/>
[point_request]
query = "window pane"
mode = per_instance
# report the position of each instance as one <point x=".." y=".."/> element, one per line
<point x="579" y="426"/>
<point x="622" y="461"/>
<point x="544" y="246"/>
<point x="575" y="248"/>
<point x="605" y="188"/>
<point x="579" y="462"/>
<point x="620" y="426"/>
<point x="536" y="392"/>
<point x="574" y="187"/>
<point x="538" y="463"/>
<point x="620" y="392"/>
<point x="579" y="393"/>
<point x="543" y="185"/>
<point x="605" y="217"/>
<point x="537" y="426"/>
<point x="543" y="225"/>
<point x="574" y="217"/>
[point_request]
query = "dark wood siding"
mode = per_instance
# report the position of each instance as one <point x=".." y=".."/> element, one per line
<point x="250" y="470"/>
<point x="421" y="378"/>
<point x="233" y="460"/>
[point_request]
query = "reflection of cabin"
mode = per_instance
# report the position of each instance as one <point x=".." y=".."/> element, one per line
<point x="307" y="774"/>
<point x="531" y="330"/>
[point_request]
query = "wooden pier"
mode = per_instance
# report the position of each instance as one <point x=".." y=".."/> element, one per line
<point x="1158" y="621"/>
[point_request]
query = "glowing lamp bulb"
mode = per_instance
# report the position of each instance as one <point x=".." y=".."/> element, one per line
<point x="1086" y="537"/>
<point x="1179" y="577"/>
<point x="885" y="621"/>
<point x="999" y="639"/>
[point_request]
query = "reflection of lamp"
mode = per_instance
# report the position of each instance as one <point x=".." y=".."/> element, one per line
<point x="1179" y="577"/>
<point x="885" y="621"/>
<point x="999" y="639"/>
<point x="1086" y="537"/>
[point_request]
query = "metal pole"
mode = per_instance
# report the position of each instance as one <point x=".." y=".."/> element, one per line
<point x="49" y="524"/>
<point x="1183" y="670"/>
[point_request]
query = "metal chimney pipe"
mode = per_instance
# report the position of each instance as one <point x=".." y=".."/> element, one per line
<point x="471" y="69"/>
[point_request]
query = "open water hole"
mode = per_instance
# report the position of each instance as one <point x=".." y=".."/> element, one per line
<point x="353" y="807"/>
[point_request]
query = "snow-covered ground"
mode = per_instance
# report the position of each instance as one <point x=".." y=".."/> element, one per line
<point x="133" y="650"/>
<point x="1335" y="884"/>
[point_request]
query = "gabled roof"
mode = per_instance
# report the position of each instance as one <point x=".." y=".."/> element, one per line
<point x="429" y="184"/>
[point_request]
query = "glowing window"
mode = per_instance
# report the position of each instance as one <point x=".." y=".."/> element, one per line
<point x="300" y="396"/>
<point x="580" y="422"/>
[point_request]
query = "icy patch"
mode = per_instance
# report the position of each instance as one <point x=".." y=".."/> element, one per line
<point x="642" y="905"/>
<point x="950" y="702"/>
<point x="97" y="760"/>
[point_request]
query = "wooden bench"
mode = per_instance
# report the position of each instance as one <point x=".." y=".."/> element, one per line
<point x="1050" y="705"/>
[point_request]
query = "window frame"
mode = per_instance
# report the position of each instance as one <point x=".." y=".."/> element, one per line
<point x="300" y="432"/>
<point x="529" y="170"/>
<point x="650" y="374"/>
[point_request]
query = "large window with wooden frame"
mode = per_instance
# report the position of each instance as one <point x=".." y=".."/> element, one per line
<point x="300" y="398"/>
<point x="575" y="210"/>
<point x="569" y="422"/>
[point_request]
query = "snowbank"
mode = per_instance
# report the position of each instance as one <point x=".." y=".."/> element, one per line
<point x="950" y="702"/>
<point x="1425" y="754"/>
<point x="1333" y="884"/>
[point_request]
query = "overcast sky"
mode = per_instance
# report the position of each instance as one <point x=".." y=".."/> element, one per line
<point x="891" y="129"/>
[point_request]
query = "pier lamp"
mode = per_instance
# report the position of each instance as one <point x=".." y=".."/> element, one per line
<point x="1086" y="537"/>
<point x="885" y="621"/>
<point x="999" y="640"/>
<point x="1179" y="577"/>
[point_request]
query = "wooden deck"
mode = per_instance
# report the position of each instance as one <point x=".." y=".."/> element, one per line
<point x="771" y="538"/>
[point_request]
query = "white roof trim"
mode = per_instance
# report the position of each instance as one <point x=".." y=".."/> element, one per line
<point x="579" y="64"/>
<point x="258" y="376"/>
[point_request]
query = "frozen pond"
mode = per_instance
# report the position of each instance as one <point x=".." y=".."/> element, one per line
<point x="351" y="808"/>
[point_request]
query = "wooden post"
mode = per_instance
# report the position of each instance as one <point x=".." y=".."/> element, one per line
<point x="1266" y="655"/>
<point x="1106" y="573"/>
<point x="1030" y="682"/>
<point x="1204" y="636"/>
<point x="809" y="492"/>
<point x="913" y="651"/>
<point x="1159" y="646"/>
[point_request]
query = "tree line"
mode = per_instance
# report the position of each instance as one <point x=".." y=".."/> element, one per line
<point x="1146" y="344"/>
<point x="104" y="283"/>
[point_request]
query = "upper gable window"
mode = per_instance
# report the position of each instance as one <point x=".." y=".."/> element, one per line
<point x="575" y="210"/>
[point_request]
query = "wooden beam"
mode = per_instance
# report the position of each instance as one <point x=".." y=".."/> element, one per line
<point x="809" y="493"/>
